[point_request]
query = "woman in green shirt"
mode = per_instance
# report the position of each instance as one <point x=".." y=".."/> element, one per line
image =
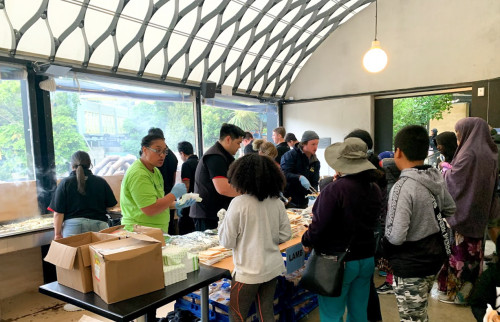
<point x="142" y="198"/>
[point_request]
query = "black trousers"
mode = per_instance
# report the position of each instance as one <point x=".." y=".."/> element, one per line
<point x="244" y="295"/>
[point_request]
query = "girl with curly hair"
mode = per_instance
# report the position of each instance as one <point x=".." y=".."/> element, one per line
<point x="255" y="224"/>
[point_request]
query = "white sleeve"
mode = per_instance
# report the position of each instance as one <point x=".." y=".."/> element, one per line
<point x="229" y="228"/>
<point x="285" y="228"/>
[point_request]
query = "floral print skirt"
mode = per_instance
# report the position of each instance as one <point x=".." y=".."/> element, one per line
<point x="457" y="277"/>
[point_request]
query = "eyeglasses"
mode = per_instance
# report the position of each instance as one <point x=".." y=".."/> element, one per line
<point x="164" y="152"/>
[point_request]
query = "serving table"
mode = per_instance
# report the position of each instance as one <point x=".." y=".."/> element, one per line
<point x="143" y="305"/>
<point x="227" y="263"/>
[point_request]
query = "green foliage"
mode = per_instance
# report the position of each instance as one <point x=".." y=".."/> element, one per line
<point x="10" y="102"/>
<point x="247" y="121"/>
<point x="175" y="119"/>
<point x="142" y="117"/>
<point x="212" y="119"/>
<point x="13" y="159"/>
<point x="419" y="110"/>
<point x="67" y="141"/>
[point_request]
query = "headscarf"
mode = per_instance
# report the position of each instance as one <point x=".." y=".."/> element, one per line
<point x="472" y="179"/>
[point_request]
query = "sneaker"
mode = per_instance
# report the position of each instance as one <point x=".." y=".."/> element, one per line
<point x="71" y="308"/>
<point x="445" y="299"/>
<point x="385" y="288"/>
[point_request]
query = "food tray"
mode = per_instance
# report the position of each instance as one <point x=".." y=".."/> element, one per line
<point x="25" y="226"/>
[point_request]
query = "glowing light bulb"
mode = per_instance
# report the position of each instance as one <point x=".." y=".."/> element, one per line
<point x="375" y="59"/>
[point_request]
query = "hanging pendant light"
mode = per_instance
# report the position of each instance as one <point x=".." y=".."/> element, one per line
<point x="375" y="59"/>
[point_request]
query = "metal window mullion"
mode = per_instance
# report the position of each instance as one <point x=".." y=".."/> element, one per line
<point x="198" y="122"/>
<point x="43" y="142"/>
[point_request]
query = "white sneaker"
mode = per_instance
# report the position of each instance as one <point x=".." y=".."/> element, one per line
<point x="445" y="299"/>
<point x="71" y="308"/>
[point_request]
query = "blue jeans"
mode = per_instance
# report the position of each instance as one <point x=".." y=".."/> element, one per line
<point x="355" y="292"/>
<point x="77" y="226"/>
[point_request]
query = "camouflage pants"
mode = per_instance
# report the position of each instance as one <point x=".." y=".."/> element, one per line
<point x="411" y="295"/>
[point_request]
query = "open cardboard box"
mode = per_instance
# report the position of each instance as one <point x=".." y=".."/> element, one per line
<point x="156" y="233"/>
<point x="71" y="257"/>
<point x="126" y="268"/>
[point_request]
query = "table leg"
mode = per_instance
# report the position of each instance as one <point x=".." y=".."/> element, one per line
<point x="204" y="304"/>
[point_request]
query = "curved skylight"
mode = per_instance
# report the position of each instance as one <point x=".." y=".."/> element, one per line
<point x="257" y="46"/>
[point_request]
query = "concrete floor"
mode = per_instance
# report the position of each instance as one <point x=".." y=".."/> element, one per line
<point x="33" y="306"/>
<point x="38" y="307"/>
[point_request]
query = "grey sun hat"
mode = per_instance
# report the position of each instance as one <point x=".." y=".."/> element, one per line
<point x="308" y="136"/>
<point x="348" y="157"/>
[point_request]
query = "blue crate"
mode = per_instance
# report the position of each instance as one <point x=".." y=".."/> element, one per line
<point x="289" y="315"/>
<point x="194" y="308"/>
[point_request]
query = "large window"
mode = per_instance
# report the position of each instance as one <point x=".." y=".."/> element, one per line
<point x="17" y="171"/>
<point x="110" y="123"/>
<point x="16" y="155"/>
<point x="257" y="118"/>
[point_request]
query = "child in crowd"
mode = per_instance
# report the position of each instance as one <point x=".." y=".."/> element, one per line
<point x="413" y="242"/>
<point x="391" y="175"/>
<point x="255" y="224"/>
<point x="487" y="290"/>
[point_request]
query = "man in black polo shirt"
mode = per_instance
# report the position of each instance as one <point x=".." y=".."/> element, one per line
<point x="279" y="139"/>
<point x="211" y="181"/>
<point x="188" y="169"/>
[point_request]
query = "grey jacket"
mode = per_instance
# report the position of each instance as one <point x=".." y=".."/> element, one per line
<point x="413" y="243"/>
<point x="410" y="213"/>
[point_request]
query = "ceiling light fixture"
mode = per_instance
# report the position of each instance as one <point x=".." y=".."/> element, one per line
<point x="375" y="59"/>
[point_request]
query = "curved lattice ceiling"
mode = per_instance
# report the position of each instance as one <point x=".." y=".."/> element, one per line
<point x="257" y="47"/>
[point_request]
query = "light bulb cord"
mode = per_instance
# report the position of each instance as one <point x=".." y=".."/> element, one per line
<point x="376" y="13"/>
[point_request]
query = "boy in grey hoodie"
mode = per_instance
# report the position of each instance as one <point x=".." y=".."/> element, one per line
<point x="413" y="242"/>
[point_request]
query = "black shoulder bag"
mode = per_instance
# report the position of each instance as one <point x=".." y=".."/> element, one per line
<point x="324" y="274"/>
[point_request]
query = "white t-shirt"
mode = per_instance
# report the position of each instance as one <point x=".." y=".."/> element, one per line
<point x="253" y="229"/>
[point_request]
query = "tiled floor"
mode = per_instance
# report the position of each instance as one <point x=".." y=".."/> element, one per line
<point x="34" y="306"/>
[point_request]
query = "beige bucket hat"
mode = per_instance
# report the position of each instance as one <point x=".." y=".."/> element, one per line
<point x="348" y="157"/>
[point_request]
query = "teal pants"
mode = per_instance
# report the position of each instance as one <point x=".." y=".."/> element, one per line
<point x="355" y="292"/>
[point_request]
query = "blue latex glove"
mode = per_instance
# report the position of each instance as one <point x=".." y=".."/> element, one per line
<point x="311" y="198"/>
<point x="188" y="203"/>
<point x="178" y="190"/>
<point x="304" y="182"/>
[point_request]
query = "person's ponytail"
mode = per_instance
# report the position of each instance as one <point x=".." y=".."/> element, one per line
<point x="80" y="161"/>
<point x="80" y="179"/>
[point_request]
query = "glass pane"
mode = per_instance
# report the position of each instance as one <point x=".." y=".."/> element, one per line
<point x="110" y="125"/>
<point x="36" y="40"/>
<point x="97" y="18"/>
<point x="61" y="15"/>
<point x="73" y="47"/>
<point x="129" y="22"/>
<point x="20" y="11"/>
<point x="16" y="153"/>
<point x="250" y="115"/>
<point x="6" y="36"/>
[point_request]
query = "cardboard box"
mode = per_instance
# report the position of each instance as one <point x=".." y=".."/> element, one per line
<point x="126" y="268"/>
<point x="86" y="318"/>
<point x="71" y="257"/>
<point x="156" y="233"/>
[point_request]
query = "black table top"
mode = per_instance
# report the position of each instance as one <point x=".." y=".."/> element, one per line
<point x="137" y="306"/>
